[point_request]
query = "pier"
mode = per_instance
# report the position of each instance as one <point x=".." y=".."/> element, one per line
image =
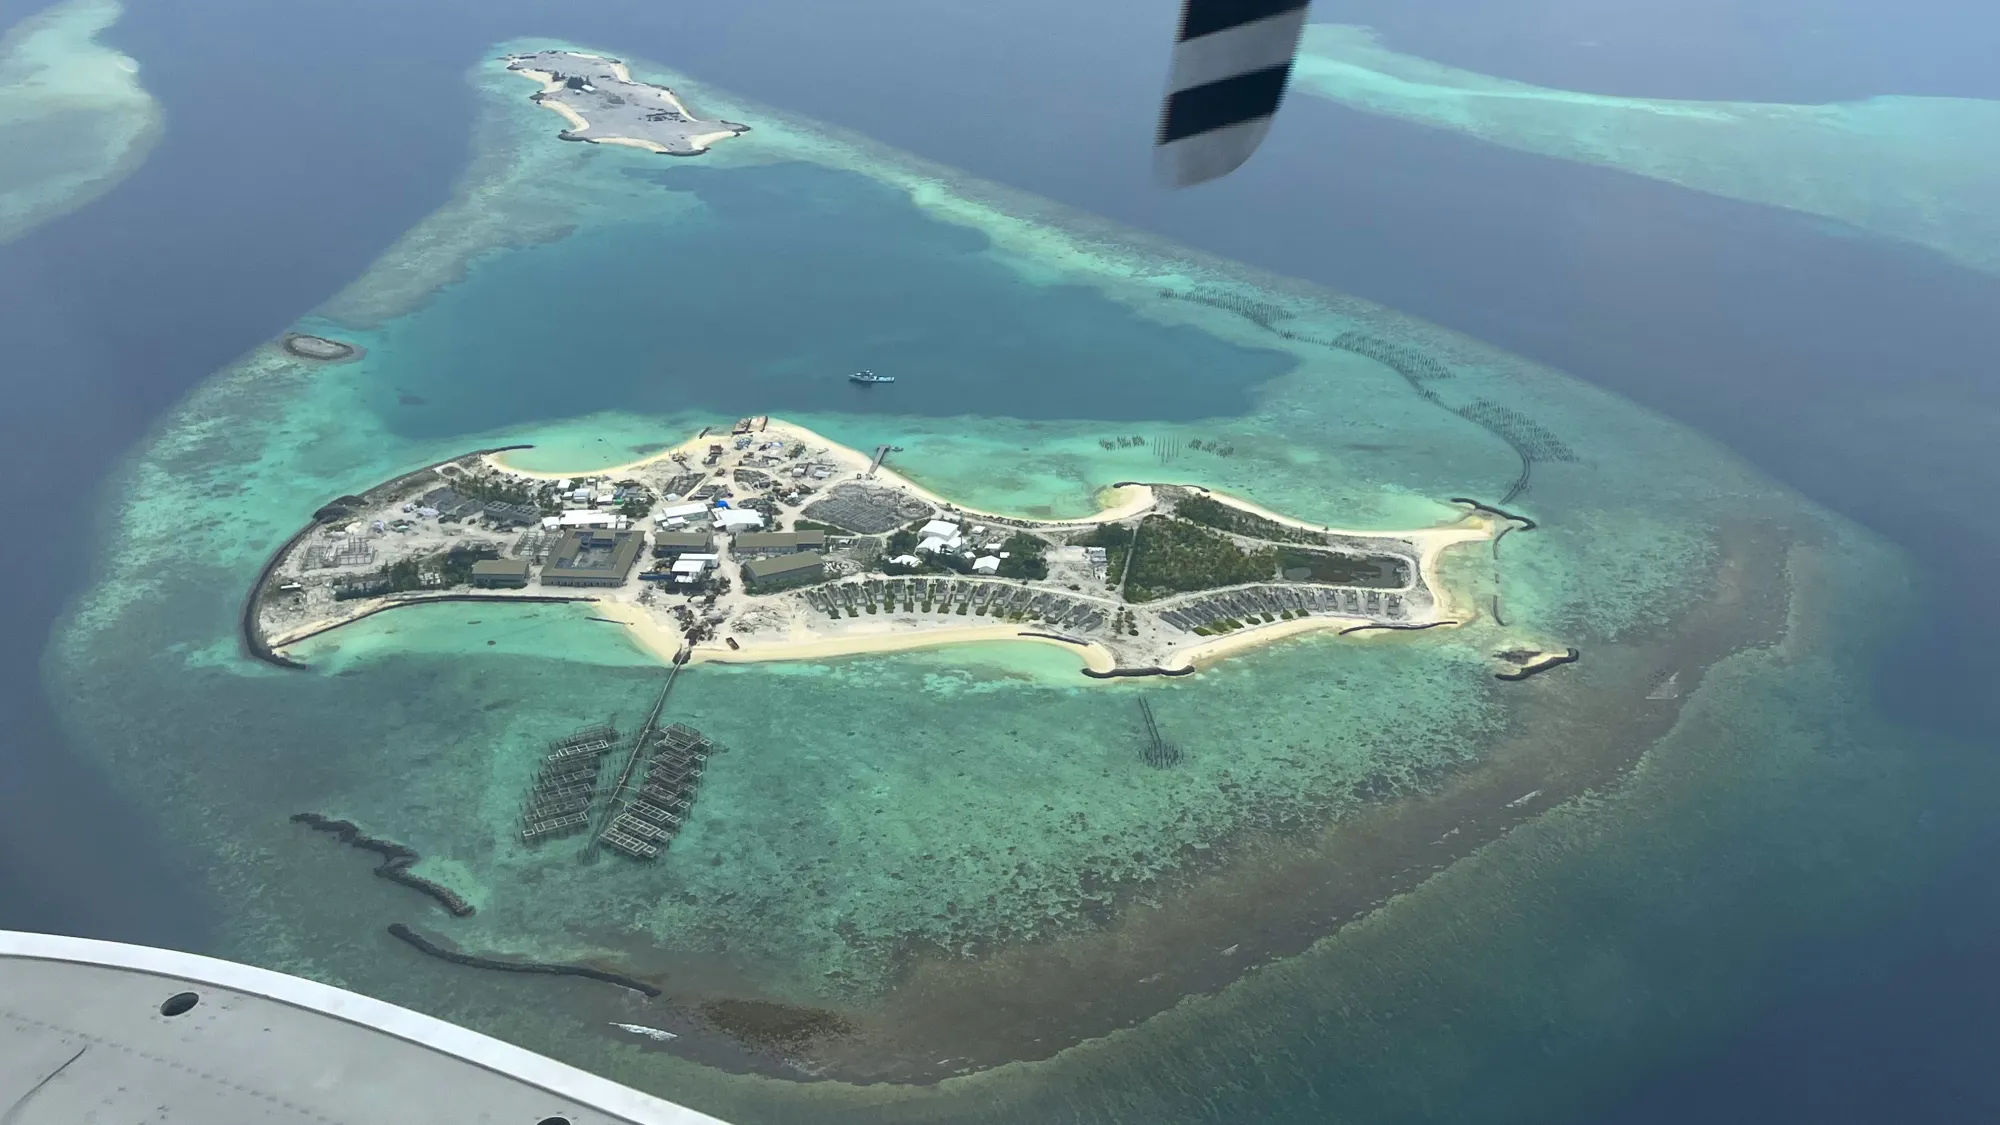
<point x="648" y="802"/>
<point x="881" y="452"/>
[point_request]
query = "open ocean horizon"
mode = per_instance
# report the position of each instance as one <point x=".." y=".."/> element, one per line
<point x="1806" y="798"/>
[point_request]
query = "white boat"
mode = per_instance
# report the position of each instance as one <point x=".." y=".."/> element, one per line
<point x="871" y="377"/>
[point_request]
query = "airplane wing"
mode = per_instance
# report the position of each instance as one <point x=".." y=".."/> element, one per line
<point x="100" y="1031"/>
<point x="1231" y="61"/>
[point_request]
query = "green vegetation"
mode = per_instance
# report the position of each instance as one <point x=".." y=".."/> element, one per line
<point x="1210" y="512"/>
<point x="1384" y="572"/>
<point x="637" y="507"/>
<point x="492" y="487"/>
<point x="1116" y="539"/>
<point x="1024" y="557"/>
<point x="428" y="572"/>
<point x="1173" y="556"/>
<point x="904" y="542"/>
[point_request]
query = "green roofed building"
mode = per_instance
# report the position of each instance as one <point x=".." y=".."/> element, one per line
<point x="674" y="544"/>
<point x="592" y="556"/>
<point x="500" y="572"/>
<point x="757" y="544"/>
<point x="781" y="571"/>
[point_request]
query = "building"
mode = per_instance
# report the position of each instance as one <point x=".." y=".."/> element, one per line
<point x="986" y="564"/>
<point x="758" y="544"/>
<point x="584" y="517"/>
<point x="674" y="544"/>
<point x="682" y="512"/>
<point x="588" y="556"/>
<point x="939" y="529"/>
<point x="732" y="520"/>
<point x="511" y="573"/>
<point x="447" y="504"/>
<point x="500" y="513"/>
<point x="780" y="571"/>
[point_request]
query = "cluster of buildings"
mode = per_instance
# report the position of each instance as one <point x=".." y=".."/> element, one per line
<point x="594" y="542"/>
<point x="944" y="536"/>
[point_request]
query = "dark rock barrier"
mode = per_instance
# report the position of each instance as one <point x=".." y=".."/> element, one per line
<point x="253" y="633"/>
<point x="403" y="933"/>
<point x="1403" y="628"/>
<point x="1121" y="673"/>
<point x="1553" y="660"/>
<point x="1057" y="637"/>
<point x="1526" y="523"/>
<point x="396" y="859"/>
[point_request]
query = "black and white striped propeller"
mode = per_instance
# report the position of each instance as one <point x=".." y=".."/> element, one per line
<point x="1231" y="61"/>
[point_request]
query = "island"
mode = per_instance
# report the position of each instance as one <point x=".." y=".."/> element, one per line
<point x="604" y="105"/>
<point x="318" y="348"/>
<point x="771" y="542"/>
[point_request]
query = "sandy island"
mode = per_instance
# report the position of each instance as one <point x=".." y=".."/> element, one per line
<point x="772" y="542"/>
<point x="621" y="111"/>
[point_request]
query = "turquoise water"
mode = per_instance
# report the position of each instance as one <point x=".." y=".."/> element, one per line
<point x="874" y="812"/>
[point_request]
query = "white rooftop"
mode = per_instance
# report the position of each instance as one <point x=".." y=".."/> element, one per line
<point x="941" y="528"/>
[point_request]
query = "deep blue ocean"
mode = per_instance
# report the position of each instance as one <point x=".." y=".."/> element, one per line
<point x="1850" y="369"/>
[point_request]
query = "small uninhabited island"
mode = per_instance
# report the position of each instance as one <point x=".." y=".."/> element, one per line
<point x="318" y="348"/>
<point x="772" y="543"/>
<point x="604" y="105"/>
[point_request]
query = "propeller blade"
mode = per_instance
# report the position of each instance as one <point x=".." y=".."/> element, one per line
<point x="1231" y="62"/>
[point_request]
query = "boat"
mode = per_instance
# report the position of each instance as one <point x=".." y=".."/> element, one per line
<point x="871" y="377"/>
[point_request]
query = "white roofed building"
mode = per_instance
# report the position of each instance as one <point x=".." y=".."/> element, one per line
<point x="680" y="511"/>
<point x="738" y="519"/>
<point x="589" y="517"/>
<point x="986" y="564"/>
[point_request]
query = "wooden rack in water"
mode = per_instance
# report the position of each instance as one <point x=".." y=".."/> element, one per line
<point x="1159" y="752"/>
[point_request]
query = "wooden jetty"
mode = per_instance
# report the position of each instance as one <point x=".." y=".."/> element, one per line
<point x="657" y="783"/>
